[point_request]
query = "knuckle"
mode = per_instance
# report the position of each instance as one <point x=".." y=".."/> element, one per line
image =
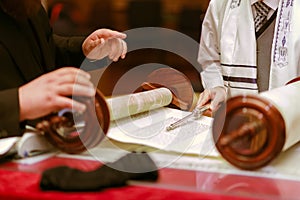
<point x="69" y="88"/>
<point x="50" y="100"/>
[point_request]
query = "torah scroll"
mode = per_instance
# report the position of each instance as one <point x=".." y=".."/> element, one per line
<point x="251" y="130"/>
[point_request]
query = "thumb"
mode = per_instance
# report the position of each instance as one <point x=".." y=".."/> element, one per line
<point x="97" y="42"/>
<point x="203" y="98"/>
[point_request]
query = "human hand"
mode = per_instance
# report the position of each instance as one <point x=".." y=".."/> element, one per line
<point x="215" y="96"/>
<point x="105" y="42"/>
<point x="51" y="92"/>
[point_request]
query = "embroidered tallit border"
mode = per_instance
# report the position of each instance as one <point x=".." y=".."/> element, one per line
<point x="280" y="54"/>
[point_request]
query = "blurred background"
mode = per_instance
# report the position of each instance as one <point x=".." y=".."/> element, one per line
<point x="81" y="17"/>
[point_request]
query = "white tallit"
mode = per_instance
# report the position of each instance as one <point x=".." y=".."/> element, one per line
<point x="227" y="50"/>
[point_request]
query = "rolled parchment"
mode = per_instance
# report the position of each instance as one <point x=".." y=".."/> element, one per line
<point x="131" y="104"/>
<point x="251" y="130"/>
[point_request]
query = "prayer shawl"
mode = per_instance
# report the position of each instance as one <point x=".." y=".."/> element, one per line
<point x="227" y="50"/>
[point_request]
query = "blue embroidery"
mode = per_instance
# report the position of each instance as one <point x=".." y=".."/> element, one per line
<point x="283" y="41"/>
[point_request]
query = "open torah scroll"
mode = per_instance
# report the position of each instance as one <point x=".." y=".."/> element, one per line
<point x="142" y="118"/>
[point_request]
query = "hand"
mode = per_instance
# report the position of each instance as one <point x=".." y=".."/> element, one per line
<point x="51" y="92"/>
<point x="105" y="42"/>
<point x="216" y="95"/>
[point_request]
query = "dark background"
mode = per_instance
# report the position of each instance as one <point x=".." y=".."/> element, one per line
<point x="81" y="17"/>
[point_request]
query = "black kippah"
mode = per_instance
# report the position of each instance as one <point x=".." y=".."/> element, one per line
<point x="133" y="166"/>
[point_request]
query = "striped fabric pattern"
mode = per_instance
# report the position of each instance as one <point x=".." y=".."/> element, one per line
<point x="262" y="11"/>
<point x="240" y="78"/>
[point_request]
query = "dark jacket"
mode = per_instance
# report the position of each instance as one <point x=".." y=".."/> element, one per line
<point x="29" y="49"/>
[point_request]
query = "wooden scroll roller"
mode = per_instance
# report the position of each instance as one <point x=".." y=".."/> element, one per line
<point x="75" y="132"/>
<point x="251" y="130"/>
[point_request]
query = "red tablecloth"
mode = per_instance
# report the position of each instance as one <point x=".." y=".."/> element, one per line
<point x="19" y="181"/>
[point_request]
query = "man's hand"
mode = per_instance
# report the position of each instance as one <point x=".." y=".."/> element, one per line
<point x="105" y="42"/>
<point x="52" y="91"/>
<point x="215" y="96"/>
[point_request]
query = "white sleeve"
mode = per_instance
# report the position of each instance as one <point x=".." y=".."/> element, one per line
<point x="209" y="51"/>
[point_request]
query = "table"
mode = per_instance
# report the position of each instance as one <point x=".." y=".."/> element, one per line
<point x="21" y="181"/>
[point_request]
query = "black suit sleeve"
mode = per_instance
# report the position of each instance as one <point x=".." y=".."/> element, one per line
<point x="68" y="51"/>
<point x="11" y="78"/>
<point x="9" y="118"/>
